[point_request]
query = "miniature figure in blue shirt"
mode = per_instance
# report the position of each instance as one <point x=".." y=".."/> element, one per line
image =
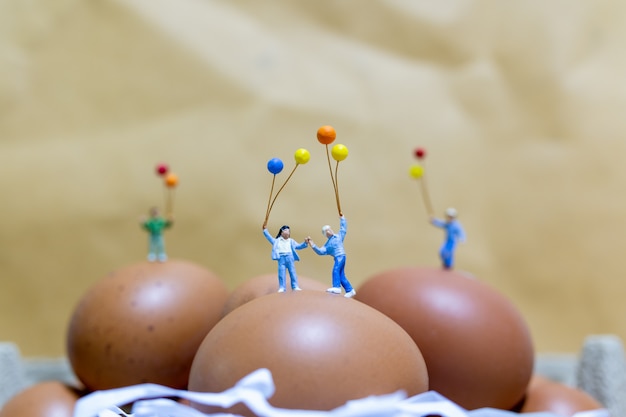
<point x="454" y="234"/>
<point x="334" y="248"/>
<point x="284" y="252"/>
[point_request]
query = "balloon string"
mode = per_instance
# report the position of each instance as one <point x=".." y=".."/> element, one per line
<point x="426" y="195"/>
<point x="280" y="189"/>
<point x="337" y="188"/>
<point x="169" y="201"/>
<point x="267" y="210"/>
<point x="332" y="178"/>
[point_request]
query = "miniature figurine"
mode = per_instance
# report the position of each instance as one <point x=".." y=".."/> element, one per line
<point x="454" y="234"/>
<point x="155" y="224"/>
<point x="284" y="252"/>
<point x="334" y="247"/>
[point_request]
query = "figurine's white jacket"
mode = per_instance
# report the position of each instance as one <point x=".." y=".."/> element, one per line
<point x="294" y="246"/>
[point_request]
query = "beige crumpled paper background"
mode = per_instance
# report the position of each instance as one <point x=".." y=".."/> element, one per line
<point x="520" y="105"/>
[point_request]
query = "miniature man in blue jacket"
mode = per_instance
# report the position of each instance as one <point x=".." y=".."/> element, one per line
<point x="284" y="252"/>
<point x="454" y="234"/>
<point x="334" y="248"/>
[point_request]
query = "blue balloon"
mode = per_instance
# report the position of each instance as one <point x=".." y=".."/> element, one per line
<point x="275" y="165"/>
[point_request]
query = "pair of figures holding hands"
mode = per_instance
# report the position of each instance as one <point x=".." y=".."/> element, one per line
<point x="284" y="251"/>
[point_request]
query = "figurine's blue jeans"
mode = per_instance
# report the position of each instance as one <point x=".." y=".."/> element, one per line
<point x="287" y="263"/>
<point x="447" y="255"/>
<point x="157" y="246"/>
<point x="339" y="274"/>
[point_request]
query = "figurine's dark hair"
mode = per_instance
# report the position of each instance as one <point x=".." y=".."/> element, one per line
<point x="281" y="230"/>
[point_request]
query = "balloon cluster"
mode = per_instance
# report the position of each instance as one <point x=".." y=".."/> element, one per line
<point x="417" y="171"/>
<point x="327" y="135"/>
<point x="275" y="167"/>
<point x="170" y="181"/>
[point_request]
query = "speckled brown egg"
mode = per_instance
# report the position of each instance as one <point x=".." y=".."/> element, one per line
<point x="144" y="323"/>
<point x="322" y="350"/>
<point x="476" y="344"/>
<point x="42" y="399"/>
<point x="555" y="397"/>
<point x="264" y="285"/>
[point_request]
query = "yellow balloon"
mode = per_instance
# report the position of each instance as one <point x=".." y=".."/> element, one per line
<point x="339" y="152"/>
<point x="416" y="171"/>
<point x="302" y="156"/>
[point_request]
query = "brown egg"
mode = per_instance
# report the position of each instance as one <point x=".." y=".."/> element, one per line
<point x="551" y="396"/>
<point x="264" y="285"/>
<point x="322" y="350"/>
<point x="144" y="323"/>
<point x="43" y="399"/>
<point x="476" y="345"/>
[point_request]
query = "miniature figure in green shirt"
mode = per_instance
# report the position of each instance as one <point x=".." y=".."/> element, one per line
<point x="155" y="224"/>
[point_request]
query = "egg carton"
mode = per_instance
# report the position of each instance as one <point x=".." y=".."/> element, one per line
<point x="599" y="369"/>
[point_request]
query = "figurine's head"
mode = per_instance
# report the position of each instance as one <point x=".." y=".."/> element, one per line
<point x="154" y="212"/>
<point x="451" y="213"/>
<point x="284" y="231"/>
<point x="327" y="231"/>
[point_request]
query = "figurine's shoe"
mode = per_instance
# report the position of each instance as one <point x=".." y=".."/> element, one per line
<point x="162" y="258"/>
<point x="281" y="290"/>
<point x="152" y="257"/>
<point x="297" y="289"/>
<point x="350" y="294"/>
<point x="334" y="290"/>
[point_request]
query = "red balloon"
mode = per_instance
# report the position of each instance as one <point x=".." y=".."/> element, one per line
<point x="162" y="169"/>
<point x="420" y="153"/>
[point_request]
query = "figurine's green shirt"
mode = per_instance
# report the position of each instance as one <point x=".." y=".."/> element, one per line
<point x="156" y="225"/>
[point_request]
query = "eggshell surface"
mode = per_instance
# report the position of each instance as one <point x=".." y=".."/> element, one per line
<point x="322" y="350"/>
<point x="144" y="323"/>
<point x="42" y="399"/>
<point x="555" y="397"/>
<point x="475" y="343"/>
<point x="264" y="285"/>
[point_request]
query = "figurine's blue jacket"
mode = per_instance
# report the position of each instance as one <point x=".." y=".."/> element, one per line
<point x="454" y="233"/>
<point x="294" y="245"/>
<point x="334" y="244"/>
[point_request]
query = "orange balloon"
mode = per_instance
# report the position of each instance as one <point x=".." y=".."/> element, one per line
<point x="326" y="135"/>
<point x="171" y="180"/>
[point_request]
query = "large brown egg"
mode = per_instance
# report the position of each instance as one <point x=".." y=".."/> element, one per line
<point x="264" y="285"/>
<point x="144" y="323"/>
<point x="476" y="345"/>
<point x="42" y="399"/>
<point x="555" y="397"/>
<point x="322" y="350"/>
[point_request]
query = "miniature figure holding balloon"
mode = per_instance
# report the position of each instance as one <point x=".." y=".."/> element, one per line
<point x="283" y="247"/>
<point x="453" y="229"/>
<point x="454" y="235"/>
<point x="155" y="224"/>
<point x="334" y="247"/>
<point x="284" y="251"/>
<point x="334" y="243"/>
